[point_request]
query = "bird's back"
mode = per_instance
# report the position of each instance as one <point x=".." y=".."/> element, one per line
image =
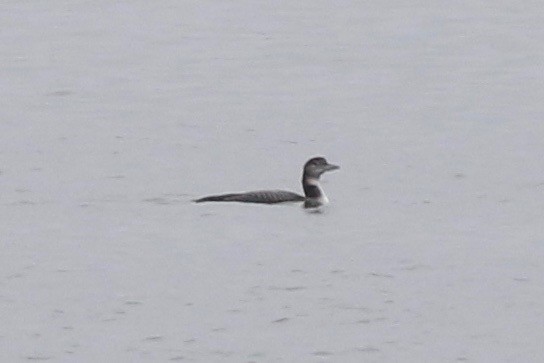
<point x="259" y="196"/>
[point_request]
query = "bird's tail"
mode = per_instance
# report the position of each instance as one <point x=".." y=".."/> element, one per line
<point x="216" y="198"/>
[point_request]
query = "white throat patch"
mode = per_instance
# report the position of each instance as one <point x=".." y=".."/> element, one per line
<point x="323" y="197"/>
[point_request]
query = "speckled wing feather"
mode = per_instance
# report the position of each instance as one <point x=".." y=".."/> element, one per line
<point x="260" y="196"/>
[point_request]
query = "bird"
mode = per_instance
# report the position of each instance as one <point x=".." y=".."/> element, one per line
<point x="313" y="197"/>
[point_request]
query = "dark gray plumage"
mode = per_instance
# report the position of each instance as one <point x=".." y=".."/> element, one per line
<point x="258" y="196"/>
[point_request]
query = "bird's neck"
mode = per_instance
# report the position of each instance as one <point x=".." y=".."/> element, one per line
<point x="312" y="189"/>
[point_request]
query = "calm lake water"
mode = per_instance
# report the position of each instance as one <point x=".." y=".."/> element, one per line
<point x="116" y="114"/>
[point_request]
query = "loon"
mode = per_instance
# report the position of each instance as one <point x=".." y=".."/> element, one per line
<point x="313" y="194"/>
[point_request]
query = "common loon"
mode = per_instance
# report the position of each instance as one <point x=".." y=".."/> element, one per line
<point x="313" y="194"/>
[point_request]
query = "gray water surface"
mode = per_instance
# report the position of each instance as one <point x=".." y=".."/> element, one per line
<point x="115" y="114"/>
